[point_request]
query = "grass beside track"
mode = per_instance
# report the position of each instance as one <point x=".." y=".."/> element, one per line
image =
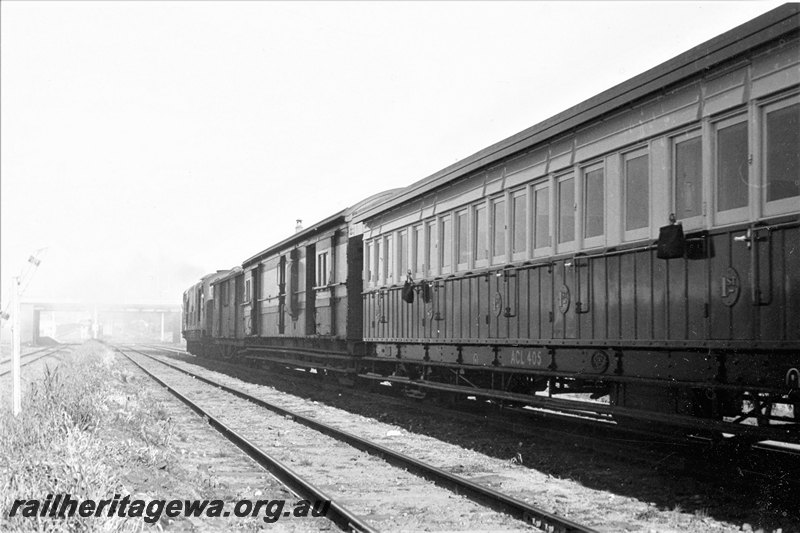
<point x="77" y="434"/>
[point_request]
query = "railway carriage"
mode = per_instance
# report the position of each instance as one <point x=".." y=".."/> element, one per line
<point x="292" y="301"/>
<point x="227" y="328"/>
<point x="198" y="312"/>
<point x="637" y="255"/>
<point x="643" y="246"/>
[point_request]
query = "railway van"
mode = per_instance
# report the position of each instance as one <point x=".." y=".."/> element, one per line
<point x="198" y="312"/>
<point x="293" y="300"/>
<point x="639" y="252"/>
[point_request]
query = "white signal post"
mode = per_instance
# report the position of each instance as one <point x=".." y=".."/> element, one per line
<point x="16" y="385"/>
<point x="16" y="330"/>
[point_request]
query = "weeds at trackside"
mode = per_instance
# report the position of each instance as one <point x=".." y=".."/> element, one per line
<point x="75" y="435"/>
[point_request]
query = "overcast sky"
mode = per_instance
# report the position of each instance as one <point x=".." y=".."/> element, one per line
<point x="147" y="143"/>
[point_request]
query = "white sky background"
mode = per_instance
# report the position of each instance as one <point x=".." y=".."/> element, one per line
<point x="148" y="143"/>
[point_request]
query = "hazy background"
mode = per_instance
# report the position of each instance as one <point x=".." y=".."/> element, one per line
<point x="145" y="144"/>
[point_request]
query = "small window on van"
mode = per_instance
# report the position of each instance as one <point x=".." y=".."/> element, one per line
<point x="519" y="223"/>
<point x="566" y="209"/>
<point x="446" y="252"/>
<point x="498" y="230"/>
<point x="594" y="202"/>
<point x="688" y="179"/>
<point x="463" y="254"/>
<point x="637" y="192"/>
<point x="781" y="156"/>
<point x="481" y="233"/>
<point x="541" y="217"/>
<point x="732" y="166"/>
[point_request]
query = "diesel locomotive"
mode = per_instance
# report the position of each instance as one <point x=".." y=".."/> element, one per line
<point x="636" y="255"/>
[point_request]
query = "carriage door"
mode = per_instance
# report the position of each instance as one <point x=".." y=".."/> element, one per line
<point x="746" y="286"/>
<point x="216" y="328"/>
<point x="238" y="310"/>
<point x="293" y="284"/>
<point x="571" y="295"/>
<point x="768" y="257"/>
<point x="255" y="302"/>
<point x="208" y="327"/>
<point x="311" y="289"/>
<point x="565" y="274"/>
<point x="567" y="297"/>
<point x="282" y="295"/>
<point x="247" y="303"/>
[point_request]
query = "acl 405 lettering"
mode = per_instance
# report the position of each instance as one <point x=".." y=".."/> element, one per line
<point x="531" y="357"/>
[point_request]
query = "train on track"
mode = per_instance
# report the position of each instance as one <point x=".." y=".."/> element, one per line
<point x="636" y="255"/>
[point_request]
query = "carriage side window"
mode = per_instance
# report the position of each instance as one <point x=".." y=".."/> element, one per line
<point x="378" y="261"/>
<point x="481" y="233"/>
<point x="462" y="239"/>
<point x="541" y="217"/>
<point x="637" y="193"/>
<point x="431" y="237"/>
<point x="418" y="246"/>
<point x="498" y="230"/>
<point x="594" y="202"/>
<point x="247" y="290"/>
<point x="388" y="263"/>
<point x="519" y="223"/>
<point x="732" y="173"/>
<point x="446" y="252"/>
<point x="369" y="262"/>
<point x="688" y="168"/>
<point x="223" y="293"/>
<point x="566" y="210"/>
<point x="322" y="269"/>
<point x="781" y="157"/>
<point x="402" y="251"/>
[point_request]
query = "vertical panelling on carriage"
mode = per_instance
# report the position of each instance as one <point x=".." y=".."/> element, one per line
<point x="565" y="230"/>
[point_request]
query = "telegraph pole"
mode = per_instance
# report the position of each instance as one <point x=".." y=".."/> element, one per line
<point x="16" y="385"/>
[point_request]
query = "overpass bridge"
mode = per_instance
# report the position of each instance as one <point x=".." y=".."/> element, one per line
<point x="78" y="321"/>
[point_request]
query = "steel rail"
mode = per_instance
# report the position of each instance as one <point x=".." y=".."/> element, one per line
<point x="546" y="413"/>
<point x="166" y="349"/>
<point x="28" y="354"/>
<point x="31" y="359"/>
<point x="342" y="517"/>
<point x="617" y="440"/>
<point x="486" y="496"/>
<point x="602" y="428"/>
<point x="787" y="449"/>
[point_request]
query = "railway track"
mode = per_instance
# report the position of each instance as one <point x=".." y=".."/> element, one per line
<point x="768" y="469"/>
<point x="582" y="427"/>
<point x="29" y="358"/>
<point x="213" y="400"/>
